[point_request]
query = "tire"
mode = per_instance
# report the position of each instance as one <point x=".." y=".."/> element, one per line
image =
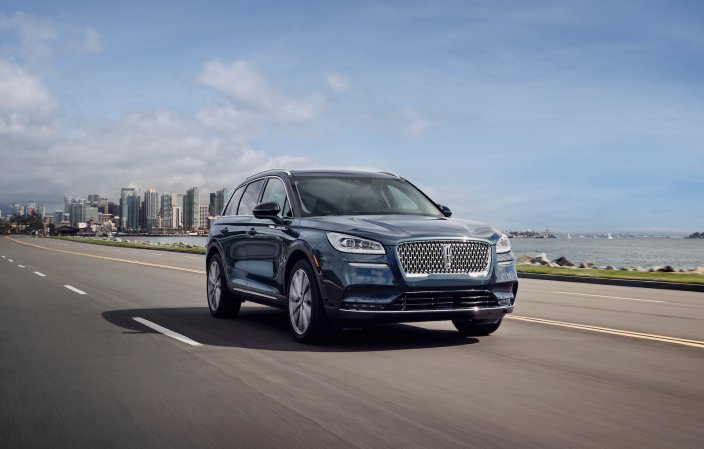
<point x="221" y="302"/>
<point x="475" y="328"/>
<point x="306" y="313"/>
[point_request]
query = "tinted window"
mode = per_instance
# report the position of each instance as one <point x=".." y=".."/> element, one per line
<point x="231" y="208"/>
<point x="275" y="192"/>
<point x="249" y="198"/>
<point x="361" y="196"/>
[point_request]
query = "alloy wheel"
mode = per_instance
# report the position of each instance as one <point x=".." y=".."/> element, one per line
<point x="214" y="292"/>
<point x="300" y="301"/>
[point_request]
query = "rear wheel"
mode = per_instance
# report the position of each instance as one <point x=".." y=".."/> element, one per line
<point x="475" y="328"/>
<point x="221" y="302"/>
<point x="306" y="312"/>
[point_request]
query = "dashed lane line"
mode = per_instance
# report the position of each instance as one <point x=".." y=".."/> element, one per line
<point x="167" y="332"/>
<point x="114" y="259"/>
<point x="41" y="275"/>
<point x="606" y="330"/>
<point x="10" y="260"/>
<point x="75" y="290"/>
<point x="21" y="266"/>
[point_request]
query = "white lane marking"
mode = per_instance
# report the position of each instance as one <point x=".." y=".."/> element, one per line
<point x="40" y="274"/>
<point x="167" y="332"/>
<point x="21" y="266"/>
<point x="10" y="260"/>
<point x="3" y="257"/>
<point x="610" y="297"/>
<point x="74" y="289"/>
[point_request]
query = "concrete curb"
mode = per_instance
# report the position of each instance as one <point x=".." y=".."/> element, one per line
<point x="621" y="282"/>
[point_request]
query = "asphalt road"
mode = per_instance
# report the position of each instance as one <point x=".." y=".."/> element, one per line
<point x="577" y="366"/>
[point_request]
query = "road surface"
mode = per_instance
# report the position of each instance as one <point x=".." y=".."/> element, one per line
<point x="105" y="347"/>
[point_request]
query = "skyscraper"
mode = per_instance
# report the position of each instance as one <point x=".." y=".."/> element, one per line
<point x="203" y="223"/>
<point x="125" y="193"/>
<point x="133" y="202"/>
<point x="191" y="208"/>
<point x="223" y="195"/>
<point x="151" y="207"/>
<point x="213" y="204"/>
<point x="166" y="211"/>
<point x="76" y="212"/>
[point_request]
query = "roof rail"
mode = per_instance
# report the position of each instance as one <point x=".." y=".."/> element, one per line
<point x="270" y="170"/>
<point x="389" y="173"/>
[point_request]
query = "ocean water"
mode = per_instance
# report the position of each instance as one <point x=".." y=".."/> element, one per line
<point x="642" y="252"/>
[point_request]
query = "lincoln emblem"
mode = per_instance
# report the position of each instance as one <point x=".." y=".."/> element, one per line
<point x="447" y="252"/>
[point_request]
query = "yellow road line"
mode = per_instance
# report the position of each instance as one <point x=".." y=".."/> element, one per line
<point x="114" y="259"/>
<point x="619" y="332"/>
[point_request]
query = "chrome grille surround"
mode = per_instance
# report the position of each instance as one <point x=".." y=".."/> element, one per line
<point x="423" y="258"/>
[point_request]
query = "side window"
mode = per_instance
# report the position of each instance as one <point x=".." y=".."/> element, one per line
<point x="249" y="198"/>
<point x="231" y="208"/>
<point x="276" y="192"/>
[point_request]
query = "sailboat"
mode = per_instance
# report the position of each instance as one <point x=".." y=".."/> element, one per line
<point x="569" y="236"/>
<point x="609" y="236"/>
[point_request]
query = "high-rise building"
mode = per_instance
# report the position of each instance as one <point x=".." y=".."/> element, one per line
<point x="113" y="209"/>
<point x="223" y="195"/>
<point x="212" y="204"/>
<point x="76" y="212"/>
<point x="151" y="208"/>
<point x="125" y="194"/>
<point x="191" y="208"/>
<point x="177" y="215"/>
<point x="17" y="209"/>
<point x="94" y="199"/>
<point x="132" y="211"/>
<point x="166" y="211"/>
<point x="58" y="217"/>
<point x="203" y="223"/>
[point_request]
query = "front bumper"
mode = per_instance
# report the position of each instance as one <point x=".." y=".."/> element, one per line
<point x="373" y="289"/>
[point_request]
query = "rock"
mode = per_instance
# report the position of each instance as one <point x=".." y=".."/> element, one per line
<point x="563" y="262"/>
<point x="118" y="239"/>
<point x="666" y="269"/>
<point x="609" y="267"/>
<point x="524" y="259"/>
<point x="541" y="259"/>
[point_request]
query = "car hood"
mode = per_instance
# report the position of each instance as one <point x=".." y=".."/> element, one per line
<point x="392" y="228"/>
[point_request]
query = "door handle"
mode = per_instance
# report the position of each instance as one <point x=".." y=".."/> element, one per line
<point x="251" y="231"/>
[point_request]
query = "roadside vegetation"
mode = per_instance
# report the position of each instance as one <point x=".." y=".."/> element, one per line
<point x="97" y="241"/>
<point x="688" y="278"/>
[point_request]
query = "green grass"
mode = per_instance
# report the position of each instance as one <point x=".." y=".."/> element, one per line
<point x="687" y="278"/>
<point x="132" y="245"/>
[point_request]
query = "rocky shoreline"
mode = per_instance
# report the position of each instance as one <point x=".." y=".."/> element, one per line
<point x="145" y="242"/>
<point x="563" y="262"/>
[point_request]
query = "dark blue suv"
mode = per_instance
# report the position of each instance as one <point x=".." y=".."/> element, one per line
<point x="342" y="249"/>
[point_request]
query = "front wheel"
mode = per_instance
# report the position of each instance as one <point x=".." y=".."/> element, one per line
<point x="306" y="313"/>
<point x="221" y="302"/>
<point x="475" y="328"/>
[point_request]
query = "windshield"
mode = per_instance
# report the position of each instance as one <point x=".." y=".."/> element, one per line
<point x="361" y="196"/>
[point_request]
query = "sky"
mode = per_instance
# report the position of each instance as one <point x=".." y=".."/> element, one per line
<point x="568" y="115"/>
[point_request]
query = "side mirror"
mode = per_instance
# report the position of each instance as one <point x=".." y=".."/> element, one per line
<point x="445" y="210"/>
<point x="269" y="210"/>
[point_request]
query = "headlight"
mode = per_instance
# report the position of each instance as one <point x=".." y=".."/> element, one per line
<point x="351" y="244"/>
<point x="503" y="245"/>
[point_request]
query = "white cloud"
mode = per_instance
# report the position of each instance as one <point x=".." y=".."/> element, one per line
<point x="36" y="34"/>
<point x="241" y="81"/>
<point x="336" y="81"/>
<point x="27" y="109"/>
<point x="92" y="42"/>
<point x="412" y="124"/>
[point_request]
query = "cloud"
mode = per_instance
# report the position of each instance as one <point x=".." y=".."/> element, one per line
<point x="336" y="81"/>
<point x="28" y="112"/>
<point x="412" y="124"/>
<point x="92" y="42"/>
<point x="36" y="34"/>
<point x="241" y="82"/>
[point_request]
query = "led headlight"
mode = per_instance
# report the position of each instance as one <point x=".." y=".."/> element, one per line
<point x="503" y="245"/>
<point x="351" y="244"/>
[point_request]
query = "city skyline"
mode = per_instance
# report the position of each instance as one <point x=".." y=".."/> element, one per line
<point x="569" y="115"/>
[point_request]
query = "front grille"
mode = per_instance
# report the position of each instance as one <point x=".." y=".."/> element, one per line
<point x="427" y="257"/>
<point x="444" y="300"/>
